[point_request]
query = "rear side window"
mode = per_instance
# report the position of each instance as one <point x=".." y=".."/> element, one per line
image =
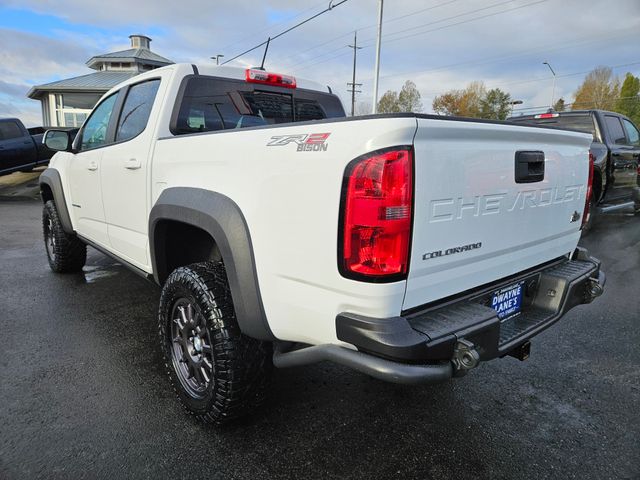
<point x="632" y="132"/>
<point x="136" y="110"/>
<point x="9" y="130"/>
<point x="210" y="103"/>
<point x="615" y="130"/>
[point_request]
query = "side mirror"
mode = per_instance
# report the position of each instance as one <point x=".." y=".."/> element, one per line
<point x="58" y="140"/>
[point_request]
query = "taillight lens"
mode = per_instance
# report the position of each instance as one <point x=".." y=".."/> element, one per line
<point x="376" y="216"/>
<point x="587" y="212"/>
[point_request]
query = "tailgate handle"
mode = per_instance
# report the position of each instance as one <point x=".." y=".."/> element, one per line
<point x="529" y="166"/>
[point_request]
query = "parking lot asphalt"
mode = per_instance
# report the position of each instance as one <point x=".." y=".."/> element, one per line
<point x="83" y="393"/>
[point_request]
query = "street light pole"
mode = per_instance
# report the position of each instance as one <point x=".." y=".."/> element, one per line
<point x="376" y="75"/>
<point x="217" y="58"/>
<point x="553" y="89"/>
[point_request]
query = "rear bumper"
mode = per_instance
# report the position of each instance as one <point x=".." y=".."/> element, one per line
<point x="434" y="344"/>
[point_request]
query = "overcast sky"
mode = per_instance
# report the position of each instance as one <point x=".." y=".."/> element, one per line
<point x="439" y="44"/>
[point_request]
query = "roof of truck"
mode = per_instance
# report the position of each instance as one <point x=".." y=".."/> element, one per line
<point x="568" y="112"/>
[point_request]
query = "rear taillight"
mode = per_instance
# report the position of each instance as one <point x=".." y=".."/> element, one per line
<point x="587" y="202"/>
<point x="547" y="115"/>
<point x="376" y="211"/>
<point x="269" y="78"/>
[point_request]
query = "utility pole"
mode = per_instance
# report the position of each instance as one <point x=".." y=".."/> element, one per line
<point x="553" y="89"/>
<point x="376" y="75"/>
<point x="353" y="83"/>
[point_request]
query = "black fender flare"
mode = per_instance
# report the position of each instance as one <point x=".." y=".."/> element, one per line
<point x="51" y="178"/>
<point x="223" y="220"/>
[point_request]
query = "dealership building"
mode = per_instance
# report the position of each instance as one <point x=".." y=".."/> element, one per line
<point x="66" y="103"/>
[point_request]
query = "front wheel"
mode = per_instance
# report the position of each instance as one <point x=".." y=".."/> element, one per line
<point x="65" y="252"/>
<point x="218" y="373"/>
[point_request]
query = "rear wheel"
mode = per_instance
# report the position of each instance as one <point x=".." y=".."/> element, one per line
<point x="65" y="252"/>
<point x="218" y="373"/>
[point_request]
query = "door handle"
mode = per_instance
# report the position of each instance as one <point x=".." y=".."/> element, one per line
<point x="132" y="164"/>
<point x="93" y="166"/>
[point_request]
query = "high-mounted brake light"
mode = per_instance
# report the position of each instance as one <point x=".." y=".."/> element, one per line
<point x="268" y="78"/>
<point x="587" y="202"/>
<point x="376" y="214"/>
<point x="547" y="115"/>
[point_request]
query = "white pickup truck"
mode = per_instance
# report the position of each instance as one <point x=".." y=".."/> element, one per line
<point x="408" y="247"/>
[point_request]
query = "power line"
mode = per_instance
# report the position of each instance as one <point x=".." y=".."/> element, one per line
<point x="393" y="19"/>
<point x="546" y="48"/>
<point x="442" y="27"/>
<point x="328" y="9"/>
<point x="270" y="27"/>
<point x="461" y="22"/>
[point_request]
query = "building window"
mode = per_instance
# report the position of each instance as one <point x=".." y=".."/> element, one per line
<point x="72" y="108"/>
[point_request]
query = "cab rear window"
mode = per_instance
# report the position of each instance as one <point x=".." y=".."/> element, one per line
<point x="210" y="103"/>
<point x="579" y="122"/>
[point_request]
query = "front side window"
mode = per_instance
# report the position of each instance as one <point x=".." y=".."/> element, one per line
<point x="615" y="130"/>
<point x="9" y="130"/>
<point x="94" y="133"/>
<point x="632" y="132"/>
<point x="136" y="110"/>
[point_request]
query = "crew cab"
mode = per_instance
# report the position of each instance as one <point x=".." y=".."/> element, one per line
<point x="615" y="150"/>
<point x="21" y="148"/>
<point x="408" y="247"/>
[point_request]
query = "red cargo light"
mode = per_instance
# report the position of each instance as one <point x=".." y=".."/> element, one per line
<point x="268" y="78"/>
<point x="587" y="202"/>
<point x="547" y="115"/>
<point x="376" y="213"/>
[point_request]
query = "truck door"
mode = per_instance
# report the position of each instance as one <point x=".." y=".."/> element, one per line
<point x="633" y="140"/>
<point x="125" y="172"/>
<point x="624" y="158"/>
<point x="16" y="147"/>
<point x="85" y="171"/>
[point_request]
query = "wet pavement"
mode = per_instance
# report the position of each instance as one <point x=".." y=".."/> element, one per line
<point x="83" y="393"/>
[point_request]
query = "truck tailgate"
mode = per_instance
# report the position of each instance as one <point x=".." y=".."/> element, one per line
<point x="473" y="222"/>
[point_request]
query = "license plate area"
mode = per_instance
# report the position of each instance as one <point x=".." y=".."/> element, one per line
<point x="507" y="301"/>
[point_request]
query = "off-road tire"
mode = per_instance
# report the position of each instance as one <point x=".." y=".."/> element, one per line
<point x="241" y="365"/>
<point x="66" y="252"/>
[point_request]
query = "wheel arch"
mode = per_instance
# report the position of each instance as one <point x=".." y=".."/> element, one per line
<point x="51" y="189"/>
<point x="222" y="221"/>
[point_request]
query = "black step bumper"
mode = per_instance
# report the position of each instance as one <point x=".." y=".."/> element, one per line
<point x="455" y="336"/>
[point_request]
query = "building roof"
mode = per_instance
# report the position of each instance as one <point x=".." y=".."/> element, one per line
<point x="93" y="82"/>
<point x="143" y="55"/>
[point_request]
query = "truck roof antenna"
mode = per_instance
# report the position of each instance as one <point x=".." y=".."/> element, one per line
<point x="266" y="48"/>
